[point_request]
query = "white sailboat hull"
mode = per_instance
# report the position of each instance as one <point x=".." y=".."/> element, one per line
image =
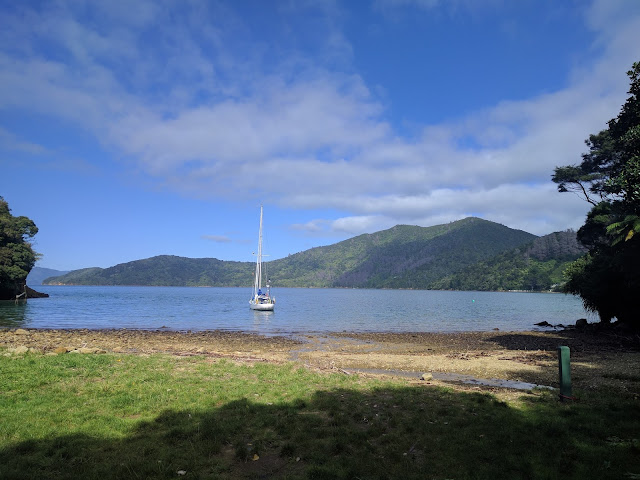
<point x="261" y="306"/>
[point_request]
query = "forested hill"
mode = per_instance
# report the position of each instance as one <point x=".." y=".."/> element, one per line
<point x="400" y="257"/>
<point x="537" y="266"/>
<point x="163" y="270"/>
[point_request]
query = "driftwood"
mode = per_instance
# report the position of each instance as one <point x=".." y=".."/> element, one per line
<point x="29" y="293"/>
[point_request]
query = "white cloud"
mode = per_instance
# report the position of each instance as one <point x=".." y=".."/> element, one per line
<point x="217" y="238"/>
<point x="311" y="227"/>
<point x="12" y="142"/>
<point x="450" y="7"/>
<point x="279" y="119"/>
<point x="427" y="4"/>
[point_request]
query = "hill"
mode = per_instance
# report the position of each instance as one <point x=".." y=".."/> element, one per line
<point x="401" y="257"/>
<point x="38" y="274"/>
<point x="537" y="266"/>
<point x="163" y="271"/>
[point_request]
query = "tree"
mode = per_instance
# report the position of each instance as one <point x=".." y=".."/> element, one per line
<point x="608" y="277"/>
<point x="17" y="257"/>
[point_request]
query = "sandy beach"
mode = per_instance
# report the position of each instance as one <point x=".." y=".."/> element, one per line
<point x="598" y="359"/>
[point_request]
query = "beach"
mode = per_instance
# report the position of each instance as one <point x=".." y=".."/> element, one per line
<point x="599" y="359"/>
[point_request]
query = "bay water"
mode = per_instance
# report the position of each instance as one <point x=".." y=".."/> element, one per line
<point x="298" y="310"/>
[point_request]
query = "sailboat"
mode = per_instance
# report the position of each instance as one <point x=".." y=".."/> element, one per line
<point x="261" y="300"/>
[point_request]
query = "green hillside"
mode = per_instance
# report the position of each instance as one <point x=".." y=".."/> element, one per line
<point x="400" y="257"/>
<point x="537" y="266"/>
<point x="163" y="270"/>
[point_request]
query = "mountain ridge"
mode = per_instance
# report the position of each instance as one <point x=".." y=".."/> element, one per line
<point x="403" y="256"/>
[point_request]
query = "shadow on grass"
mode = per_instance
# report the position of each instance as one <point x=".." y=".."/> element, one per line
<point x="401" y="432"/>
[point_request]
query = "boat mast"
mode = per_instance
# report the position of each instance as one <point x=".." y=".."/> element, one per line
<point x="258" y="281"/>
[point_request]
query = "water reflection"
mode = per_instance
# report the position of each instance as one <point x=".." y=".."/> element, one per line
<point x="261" y="319"/>
<point x="13" y="314"/>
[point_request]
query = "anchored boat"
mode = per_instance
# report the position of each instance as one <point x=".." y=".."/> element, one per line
<point x="261" y="300"/>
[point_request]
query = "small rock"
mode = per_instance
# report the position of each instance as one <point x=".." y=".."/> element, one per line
<point x="544" y="324"/>
<point x="21" y="331"/>
<point x="581" y="323"/>
<point x="426" y="376"/>
<point x="86" y="350"/>
<point x="181" y="472"/>
<point x="60" y="350"/>
<point x="21" y="350"/>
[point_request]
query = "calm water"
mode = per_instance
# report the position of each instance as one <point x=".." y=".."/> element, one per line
<point x="297" y="310"/>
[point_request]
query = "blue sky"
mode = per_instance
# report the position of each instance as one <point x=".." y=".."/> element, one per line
<point x="130" y="129"/>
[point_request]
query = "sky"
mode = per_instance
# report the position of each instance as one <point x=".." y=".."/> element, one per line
<point x="135" y="128"/>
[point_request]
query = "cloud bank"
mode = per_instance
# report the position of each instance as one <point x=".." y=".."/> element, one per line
<point x="210" y="110"/>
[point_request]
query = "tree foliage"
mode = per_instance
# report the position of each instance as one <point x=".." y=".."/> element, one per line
<point x="608" y="278"/>
<point x="17" y="257"/>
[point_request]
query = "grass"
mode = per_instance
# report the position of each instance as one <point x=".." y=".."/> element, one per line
<point x="159" y="416"/>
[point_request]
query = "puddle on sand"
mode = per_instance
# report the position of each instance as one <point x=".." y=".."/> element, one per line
<point x="488" y="382"/>
<point x="456" y="377"/>
<point x="328" y="343"/>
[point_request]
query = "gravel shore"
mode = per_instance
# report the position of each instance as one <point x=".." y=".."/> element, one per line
<point x="599" y="359"/>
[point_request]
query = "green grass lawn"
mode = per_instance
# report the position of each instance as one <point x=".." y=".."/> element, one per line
<point x="136" y="417"/>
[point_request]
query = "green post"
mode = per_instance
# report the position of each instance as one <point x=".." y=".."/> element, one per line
<point x="564" y="366"/>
